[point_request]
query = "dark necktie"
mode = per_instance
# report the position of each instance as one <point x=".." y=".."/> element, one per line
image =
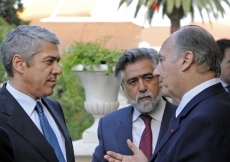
<point x="228" y="88"/>
<point x="146" y="137"/>
<point x="48" y="132"/>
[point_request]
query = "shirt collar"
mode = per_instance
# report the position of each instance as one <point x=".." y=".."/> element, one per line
<point x="26" y="102"/>
<point x="193" y="92"/>
<point x="156" y="114"/>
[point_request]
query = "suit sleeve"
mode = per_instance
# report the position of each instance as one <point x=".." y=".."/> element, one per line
<point x="98" y="155"/>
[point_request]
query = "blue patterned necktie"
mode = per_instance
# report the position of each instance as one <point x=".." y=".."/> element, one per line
<point x="48" y="132"/>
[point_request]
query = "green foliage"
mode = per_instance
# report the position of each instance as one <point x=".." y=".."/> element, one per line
<point x="177" y="9"/>
<point x="9" y="9"/>
<point x="211" y="6"/>
<point x="90" y="54"/>
<point x="4" y="29"/>
<point x="8" y="20"/>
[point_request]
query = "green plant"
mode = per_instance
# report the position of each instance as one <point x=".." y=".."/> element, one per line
<point x="90" y="54"/>
<point x="4" y="29"/>
<point x="178" y="9"/>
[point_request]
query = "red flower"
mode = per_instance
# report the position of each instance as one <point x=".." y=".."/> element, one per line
<point x="155" y="6"/>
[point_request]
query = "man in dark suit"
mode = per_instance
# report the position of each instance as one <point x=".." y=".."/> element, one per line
<point x="188" y="69"/>
<point x="133" y="72"/>
<point x="30" y="56"/>
<point x="6" y="147"/>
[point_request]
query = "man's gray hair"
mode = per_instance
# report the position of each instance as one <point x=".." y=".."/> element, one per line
<point x="26" y="41"/>
<point x="202" y="44"/>
<point x="131" y="56"/>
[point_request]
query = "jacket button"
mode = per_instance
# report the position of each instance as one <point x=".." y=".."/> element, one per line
<point x="171" y="130"/>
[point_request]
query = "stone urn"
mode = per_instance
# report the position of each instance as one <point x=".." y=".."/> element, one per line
<point x="101" y="98"/>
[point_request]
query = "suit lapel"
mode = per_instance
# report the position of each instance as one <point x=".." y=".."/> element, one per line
<point x="58" y="119"/>
<point x="168" y="112"/>
<point x="165" y="138"/>
<point x="23" y="125"/>
<point x="210" y="91"/>
<point x="124" y="132"/>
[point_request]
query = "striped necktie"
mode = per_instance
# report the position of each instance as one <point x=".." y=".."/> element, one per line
<point x="146" y="137"/>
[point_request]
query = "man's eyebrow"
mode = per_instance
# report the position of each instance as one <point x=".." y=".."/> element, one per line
<point x="143" y="75"/>
<point x="52" y="57"/>
<point x="133" y="78"/>
<point x="146" y="74"/>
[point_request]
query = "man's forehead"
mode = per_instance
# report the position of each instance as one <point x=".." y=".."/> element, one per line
<point x="167" y="46"/>
<point x="162" y="51"/>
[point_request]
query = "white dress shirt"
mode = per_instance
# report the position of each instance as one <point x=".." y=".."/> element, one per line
<point x="193" y="92"/>
<point x="138" y="125"/>
<point x="28" y="104"/>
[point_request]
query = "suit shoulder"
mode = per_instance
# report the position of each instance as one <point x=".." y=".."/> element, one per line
<point x="221" y="101"/>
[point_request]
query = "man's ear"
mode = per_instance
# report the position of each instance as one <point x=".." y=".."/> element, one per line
<point x="18" y="63"/>
<point x="188" y="60"/>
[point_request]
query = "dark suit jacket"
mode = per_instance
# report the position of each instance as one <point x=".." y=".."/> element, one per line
<point x="201" y="132"/>
<point x="114" y="129"/>
<point x="6" y="147"/>
<point x="29" y="143"/>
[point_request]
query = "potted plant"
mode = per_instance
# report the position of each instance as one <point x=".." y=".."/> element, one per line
<point x="93" y="63"/>
<point x="91" y="55"/>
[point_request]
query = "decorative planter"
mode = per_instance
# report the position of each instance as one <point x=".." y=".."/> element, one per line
<point x="101" y="97"/>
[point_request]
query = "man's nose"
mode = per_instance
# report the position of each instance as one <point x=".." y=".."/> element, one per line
<point x="57" y="70"/>
<point x="142" y="86"/>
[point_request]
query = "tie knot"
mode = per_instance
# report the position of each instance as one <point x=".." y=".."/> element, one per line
<point x="38" y="107"/>
<point x="146" y="118"/>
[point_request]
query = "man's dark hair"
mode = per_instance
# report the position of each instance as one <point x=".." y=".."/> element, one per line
<point x="223" y="44"/>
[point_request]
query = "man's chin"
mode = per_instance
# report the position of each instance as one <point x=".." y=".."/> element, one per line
<point x="48" y="93"/>
<point x="145" y="109"/>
